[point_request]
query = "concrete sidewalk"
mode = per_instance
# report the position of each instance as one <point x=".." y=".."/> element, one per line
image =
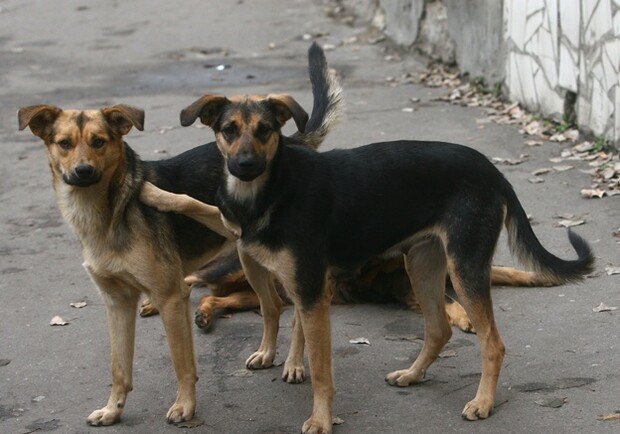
<point x="160" y="56"/>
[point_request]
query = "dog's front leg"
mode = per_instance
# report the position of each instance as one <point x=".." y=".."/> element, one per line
<point x="121" y="305"/>
<point x="270" y="304"/>
<point x="294" y="371"/>
<point x="173" y="306"/>
<point x="315" y="322"/>
<point x="203" y="213"/>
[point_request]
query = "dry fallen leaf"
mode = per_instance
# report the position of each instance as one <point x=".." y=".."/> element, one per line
<point x="612" y="270"/>
<point x="359" y="341"/>
<point x="612" y="416"/>
<point x="446" y="354"/>
<point x="536" y="180"/>
<point x="542" y="171"/>
<point x="592" y="192"/>
<point x="58" y="321"/>
<point x="193" y="423"/>
<point x="241" y="373"/>
<point x="552" y="402"/>
<point x="604" y="308"/>
<point x="570" y="223"/>
<point x="337" y="420"/>
<point x="78" y="304"/>
<point x="562" y="168"/>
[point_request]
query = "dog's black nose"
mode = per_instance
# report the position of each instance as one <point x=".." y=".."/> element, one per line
<point x="84" y="171"/>
<point x="246" y="161"/>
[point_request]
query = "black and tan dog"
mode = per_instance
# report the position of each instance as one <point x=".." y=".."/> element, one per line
<point x="131" y="249"/>
<point x="306" y="216"/>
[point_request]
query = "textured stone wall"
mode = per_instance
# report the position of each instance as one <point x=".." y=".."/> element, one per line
<point x="554" y="56"/>
<point x="560" y="46"/>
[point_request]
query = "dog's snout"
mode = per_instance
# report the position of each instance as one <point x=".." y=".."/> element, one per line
<point x="84" y="171"/>
<point x="82" y="175"/>
<point x="246" y="167"/>
<point x="247" y="161"/>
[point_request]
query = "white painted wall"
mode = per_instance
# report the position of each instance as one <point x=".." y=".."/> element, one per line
<point x="556" y="46"/>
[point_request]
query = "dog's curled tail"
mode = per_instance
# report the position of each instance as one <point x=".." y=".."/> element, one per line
<point x="328" y="103"/>
<point x="526" y="246"/>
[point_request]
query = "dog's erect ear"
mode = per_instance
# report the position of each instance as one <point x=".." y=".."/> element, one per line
<point x="122" y="117"/>
<point x="286" y="107"/>
<point x="40" y="119"/>
<point x="207" y="108"/>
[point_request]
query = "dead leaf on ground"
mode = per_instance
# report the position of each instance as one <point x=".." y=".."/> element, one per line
<point x="447" y="354"/>
<point x="536" y="180"/>
<point x="412" y="338"/>
<point x="552" y="402"/>
<point x="359" y="341"/>
<point x="4" y="362"/>
<point x="193" y="423"/>
<point x="570" y="223"/>
<point x="337" y="420"/>
<point x="592" y="193"/>
<point x="612" y="416"/>
<point x="562" y="168"/>
<point x="603" y="308"/>
<point x="510" y="161"/>
<point x="58" y="321"/>
<point x="612" y="270"/>
<point x="542" y="171"/>
<point x="241" y="373"/>
<point x="78" y="304"/>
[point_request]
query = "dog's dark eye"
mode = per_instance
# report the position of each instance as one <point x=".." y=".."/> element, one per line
<point x="97" y="142"/>
<point x="229" y="131"/>
<point x="65" y="144"/>
<point x="263" y="131"/>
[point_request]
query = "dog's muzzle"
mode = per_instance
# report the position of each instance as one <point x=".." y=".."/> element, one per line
<point x="83" y="175"/>
<point x="246" y="167"/>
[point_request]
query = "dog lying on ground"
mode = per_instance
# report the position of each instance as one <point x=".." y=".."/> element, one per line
<point x="306" y="216"/>
<point x="379" y="281"/>
<point x="131" y="249"/>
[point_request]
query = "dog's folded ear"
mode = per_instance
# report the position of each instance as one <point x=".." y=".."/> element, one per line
<point x="207" y="107"/>
<point x="122" y="117"/>
<point x="286" y="107"/>
<point x="40" y="119"/>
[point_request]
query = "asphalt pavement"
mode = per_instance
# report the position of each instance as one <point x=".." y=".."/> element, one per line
<point x="560" y="374"/>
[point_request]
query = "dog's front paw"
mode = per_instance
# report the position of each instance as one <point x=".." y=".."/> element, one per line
<point x="293" y="373"/>
<point x="316" y="426"/>
<point x="261" y="359"/>
<point x="404" y="377"/>
<point x="147" y="308"/>
<point x="104" y="416"/>
<point x="477" y="408"/>
<point x="180" y="413"/>
<point x="458" y="317"/>
<point x="204" y="320"/>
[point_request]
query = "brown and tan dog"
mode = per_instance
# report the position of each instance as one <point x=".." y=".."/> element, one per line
<point x="131" y="249"/>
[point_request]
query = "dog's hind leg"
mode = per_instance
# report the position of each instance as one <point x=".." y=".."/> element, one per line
<point x="175" y="313"/>
<point x="294" y="371"/>
<point x="121" y="305"/>
<point x="242" y="300"/>
<point x="426" y="266"/>
<point x="270" y="305"/>
<point x="469" y="255"/>
<point x="477" y="303"/>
